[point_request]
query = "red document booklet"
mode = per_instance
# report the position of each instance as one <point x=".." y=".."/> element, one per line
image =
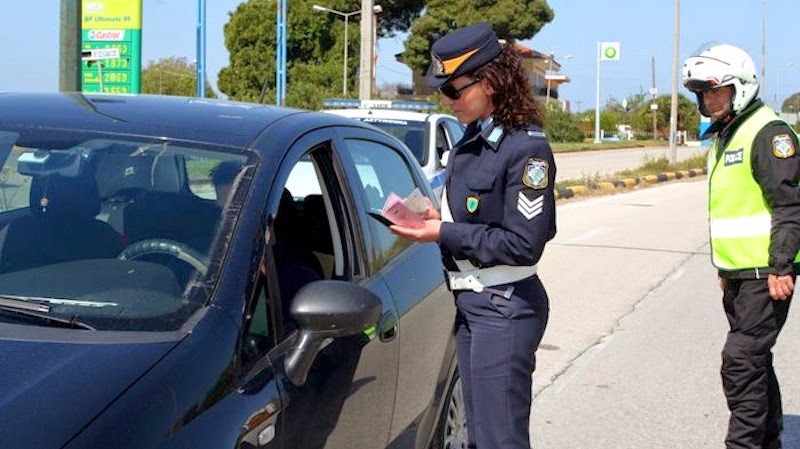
<point x="405" y="212"/>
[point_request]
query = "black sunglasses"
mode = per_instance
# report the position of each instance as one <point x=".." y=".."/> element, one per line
<point x="453" y="93"/>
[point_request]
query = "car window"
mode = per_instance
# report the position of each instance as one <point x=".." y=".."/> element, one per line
<point x="14" y="186"/>
<point x="311" y="232"/>
<point x="442" y="142"/>
<point x="300" y="253"/>
<point x="119" y="226"/>
<point x="259" y="338"/>
<point x="455" y="131"/>
<point x="381" y="171"/>
<point x="203" y="174"/>
<point x="412" y="133"/>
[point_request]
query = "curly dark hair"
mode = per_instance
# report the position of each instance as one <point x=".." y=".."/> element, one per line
<point x="515" y="105"/>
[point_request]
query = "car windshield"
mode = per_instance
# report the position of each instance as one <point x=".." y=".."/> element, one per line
<point x="410" y="132"/>
<point x="118" y="232"/>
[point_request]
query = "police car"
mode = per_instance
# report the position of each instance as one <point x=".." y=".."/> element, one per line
<point x="428" y="135"/>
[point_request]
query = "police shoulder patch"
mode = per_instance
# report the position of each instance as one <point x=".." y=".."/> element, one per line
<point x="535" y="173"/>
<point x="783" y="146"/>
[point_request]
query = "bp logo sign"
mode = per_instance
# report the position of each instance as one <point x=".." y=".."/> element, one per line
<point x="609" y="51"/>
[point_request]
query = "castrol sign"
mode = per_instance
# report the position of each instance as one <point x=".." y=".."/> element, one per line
<point x="106" y="35"/>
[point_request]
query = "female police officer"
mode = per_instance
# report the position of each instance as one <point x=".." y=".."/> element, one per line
<point x="498" y="211"/>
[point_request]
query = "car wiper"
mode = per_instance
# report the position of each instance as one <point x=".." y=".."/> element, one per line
<point x="40" y="312"/>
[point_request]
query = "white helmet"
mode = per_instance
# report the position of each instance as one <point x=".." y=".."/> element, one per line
<point x="718" y="65"/>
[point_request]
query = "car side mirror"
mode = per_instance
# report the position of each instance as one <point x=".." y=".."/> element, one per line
<point x="327" y="309"/>
<point x="445" y="158"/>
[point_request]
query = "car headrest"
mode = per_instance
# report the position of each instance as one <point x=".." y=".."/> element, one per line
<point x="415" y="140"/>
<point x="287" y="220"/>
<point x="117" y="171"/>
<point x="67" y="197"/>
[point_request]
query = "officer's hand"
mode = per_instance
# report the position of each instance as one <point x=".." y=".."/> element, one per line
<point x="431" y="212"/>
<point x="723" y="284"/>
<point x="780" y="287"/>
<point x="428" y="233"/>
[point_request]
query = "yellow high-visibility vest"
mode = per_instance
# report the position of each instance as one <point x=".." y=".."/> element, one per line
<point x="740" y="221"/>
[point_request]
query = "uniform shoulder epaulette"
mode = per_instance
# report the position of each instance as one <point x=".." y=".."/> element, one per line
<point x="532" y="133"/>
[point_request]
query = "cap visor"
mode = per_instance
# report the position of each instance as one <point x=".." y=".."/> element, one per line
<point x="434" y="81"/>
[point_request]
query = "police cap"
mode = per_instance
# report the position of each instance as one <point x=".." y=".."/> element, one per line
<point x="460" y="52"/>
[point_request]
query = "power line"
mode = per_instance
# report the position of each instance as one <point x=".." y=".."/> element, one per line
<point x="393" y="70"/>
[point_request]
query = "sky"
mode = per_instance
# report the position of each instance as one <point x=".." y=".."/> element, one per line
<point x="29" y="42"/>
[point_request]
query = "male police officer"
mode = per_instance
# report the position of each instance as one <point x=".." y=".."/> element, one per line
<point x="754" y="217"/>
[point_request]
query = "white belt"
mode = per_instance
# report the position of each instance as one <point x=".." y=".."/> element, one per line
<point x="476" y="279"/>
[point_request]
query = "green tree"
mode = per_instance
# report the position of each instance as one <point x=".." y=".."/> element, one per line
<point x="791" y="104"/>
<point x="172" y="76"/>
<point x="609" y="119"/>
<point x="641" y="115"/>
<point x="511" y="19"/>
<point x="627" y="110"/>
<point x="562" y="126"/>
<point x="314" y="49"/>
<point x="688" y="116"/>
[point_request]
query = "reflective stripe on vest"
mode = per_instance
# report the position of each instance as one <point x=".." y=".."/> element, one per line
<point x="740" y="221"/>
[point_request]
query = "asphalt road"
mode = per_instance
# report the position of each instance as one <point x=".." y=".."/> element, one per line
<point x="577" y="165"/>
<point x="630" y="358"/>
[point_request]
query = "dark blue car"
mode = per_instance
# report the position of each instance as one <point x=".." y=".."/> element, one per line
<point x="186" y="273"/>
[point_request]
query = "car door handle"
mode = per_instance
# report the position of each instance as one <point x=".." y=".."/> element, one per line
<point x="388" y="326"/>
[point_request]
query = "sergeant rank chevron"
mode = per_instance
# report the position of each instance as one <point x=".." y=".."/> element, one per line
<point x="528" y="208"/>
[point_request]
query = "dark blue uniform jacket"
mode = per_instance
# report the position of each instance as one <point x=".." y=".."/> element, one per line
<point x="500" y="192"/>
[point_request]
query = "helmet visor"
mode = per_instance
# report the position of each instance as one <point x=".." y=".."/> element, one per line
<point x="696" y="85"/>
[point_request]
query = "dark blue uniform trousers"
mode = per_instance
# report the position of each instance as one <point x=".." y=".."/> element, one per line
<point x="496" y="340"/>
<point x="748" y="377"/>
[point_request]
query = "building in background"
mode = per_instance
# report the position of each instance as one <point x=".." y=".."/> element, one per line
<point x="539" y="66"/>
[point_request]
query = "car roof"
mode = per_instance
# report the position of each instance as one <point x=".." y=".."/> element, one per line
<point x="380" y="113"/>
<point x="220" y="122"/>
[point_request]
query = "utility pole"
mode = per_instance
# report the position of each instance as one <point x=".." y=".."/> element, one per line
<point x="366" y="60"/>
<point x="280" y="55"/>
<point x="69" y="64"/>
<point x="200" y="66"/>
<point x="673" y="115"/>
<point x="763" y="80"/>
<point x="597" y="99"/>
<point x="548" y="75"/>
<point x="373" y="83"/>
<point x="654" y="92"/>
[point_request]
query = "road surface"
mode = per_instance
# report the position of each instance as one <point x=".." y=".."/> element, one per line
<point x="577" y="165"/>
<point x="630" y="358"/>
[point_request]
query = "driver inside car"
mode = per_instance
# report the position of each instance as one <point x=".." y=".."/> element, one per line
<point x="296" y="264"/>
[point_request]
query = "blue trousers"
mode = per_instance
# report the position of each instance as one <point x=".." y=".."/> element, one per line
<point x="496" y="341"/>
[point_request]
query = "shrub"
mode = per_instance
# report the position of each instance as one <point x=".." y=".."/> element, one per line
<point x="562" y="126"/>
